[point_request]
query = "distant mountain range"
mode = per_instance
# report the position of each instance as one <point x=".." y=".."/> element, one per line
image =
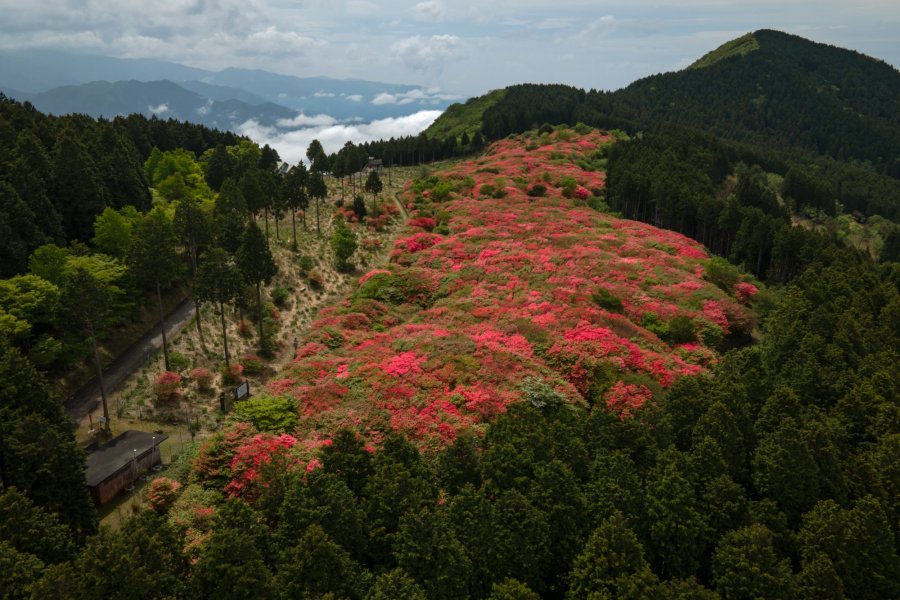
<point x="61" y="82"/>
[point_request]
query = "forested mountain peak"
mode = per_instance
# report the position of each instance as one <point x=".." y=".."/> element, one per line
<point x="737" y="47"/>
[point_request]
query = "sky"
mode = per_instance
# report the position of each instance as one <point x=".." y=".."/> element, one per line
<point x="459" y="47"/>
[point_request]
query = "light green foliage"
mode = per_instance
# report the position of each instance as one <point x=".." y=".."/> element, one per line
<point x="343" y="244"/>
<point x="176" y="174"/>
<point x="26" y="300"/>
<point x="49" y="262"/>
<point x="112" y="233"/>
<point x="268" y="413"/>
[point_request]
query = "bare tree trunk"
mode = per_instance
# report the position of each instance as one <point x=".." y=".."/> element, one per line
<point x="162" y="327"/>
<point x="294" y="226"/>
<point x="100" y="379"/>
<point x="224" y="334"/>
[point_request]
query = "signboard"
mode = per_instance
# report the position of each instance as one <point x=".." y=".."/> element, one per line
<point x="242" y="391"/>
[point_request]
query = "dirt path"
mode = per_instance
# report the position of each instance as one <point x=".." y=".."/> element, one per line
<point x="87" y="399"/>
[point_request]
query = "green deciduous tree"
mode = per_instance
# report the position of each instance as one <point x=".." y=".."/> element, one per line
<point x="343" y="244"/>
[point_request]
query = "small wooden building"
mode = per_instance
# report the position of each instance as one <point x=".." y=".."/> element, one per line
<point x="118" y="463"/>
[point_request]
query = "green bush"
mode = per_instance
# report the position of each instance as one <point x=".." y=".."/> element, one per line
<point x="721" y="273"/>
<point x="268" y="413"/>
<point x="682" y="330"/>
<point x="652" y="322"/>
<point x="538" y="190"/>
<point x="178" y="361"/>
<point x="606" y="300"/>
<point x="280" y="296"/>
<point x="305" y="263"/>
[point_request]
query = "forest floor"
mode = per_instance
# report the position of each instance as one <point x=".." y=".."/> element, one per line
<point x="196" y="413"/>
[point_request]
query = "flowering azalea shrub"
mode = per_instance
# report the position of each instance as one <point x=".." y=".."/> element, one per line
<point x="512" y="286"/>
<point x="233" y="374"/>
<point x="161" y="494"/>
<point x="203" y="377"/>
<point x="166" y="386"/>
<point x="745" y="291"/>
<point x="258" y="461"/>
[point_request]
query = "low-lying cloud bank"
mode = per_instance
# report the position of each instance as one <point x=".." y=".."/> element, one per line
<point x="291" y="144"/>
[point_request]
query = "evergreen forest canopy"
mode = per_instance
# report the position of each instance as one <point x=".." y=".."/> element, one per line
<point x="776" y="474"/>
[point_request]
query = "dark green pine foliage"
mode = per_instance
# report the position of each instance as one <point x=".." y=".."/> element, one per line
<point x="30" y="174"/>
<point x="348" y="458"/>
<point x="231" y="563"/>
<point x="19" y="233"/>
<point x="153" y="262"/>
<point x="33" y="530"/>
<point x="76" y="189"/>
<point x="426" y="548"/>
<point x="315" y="566"/>
<point x="323" y="500"/>
<point x="254" y="259"/>
<point x="37" y="442"/>
<point x="611" y="558"/>
<point x="18" y="572"/>
<point x="121" y="170"/>
<point x="142" y="560"/>
<point x="218" y="168"/>
<point x="396" y="585"/>
<point x="229" y="216"/>
<point x="745" y="566"/>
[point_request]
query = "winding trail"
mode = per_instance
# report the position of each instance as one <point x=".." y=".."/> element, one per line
<point x="87" y="399"/>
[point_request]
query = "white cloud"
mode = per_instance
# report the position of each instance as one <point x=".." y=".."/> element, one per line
<point x="424" y="54"/>
<point x="303" y="120"/>
<point x="430" y="10"/>
<point x="291" y="145"/>
<point x="204" y="110"/>
<point x="273" y="42"/>
<point x="321" y="94"/>
<point x="384" y="98"/>
<point x="159" y="110"/>
<point x="355" y="98"/>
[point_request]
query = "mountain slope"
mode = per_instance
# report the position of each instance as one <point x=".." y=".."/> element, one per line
<point x="525" y="294"/>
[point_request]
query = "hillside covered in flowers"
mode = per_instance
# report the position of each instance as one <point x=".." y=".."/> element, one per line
<point x="511" y="286"/>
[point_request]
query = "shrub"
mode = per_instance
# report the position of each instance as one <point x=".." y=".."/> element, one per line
<point x="305" y="263"/>
<point x="232" y="374"/>
<point x="316" y="280"/>
<point x="539" y="393"/>
<point x="652" y="322"/>
<point x="245" y="328"/>
<point x="721" y="273"/>
<point x="343" y="244"/>
<point x="253" y="365"/>
<point x="359" y="206"/>
<point x="280" y="296"/>
<point x="162" y="493"/>
<point x="178" y="361"/>
<point x="538" y="190"/>
<point x="268" y="413"/>
<point x="166" y="385"/>
<point x="202" y="377"/>
<point x="606" y="300"/>
<point x="682" y="330"/>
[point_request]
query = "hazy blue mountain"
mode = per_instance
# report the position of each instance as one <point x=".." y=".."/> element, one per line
<point x="37" y="75"/>
<point x="162" y="98"/>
